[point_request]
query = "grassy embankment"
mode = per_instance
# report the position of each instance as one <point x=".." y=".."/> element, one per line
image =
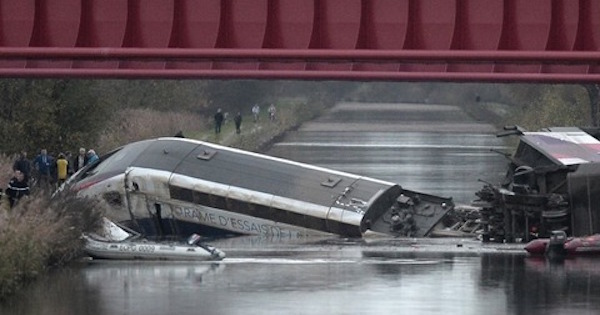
<point x="256" y="136"/>
<point x="40" y="232"/>
<point x="138" y="124"/>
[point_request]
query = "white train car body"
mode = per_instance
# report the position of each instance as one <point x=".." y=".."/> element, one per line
<point x="176" y="186"/>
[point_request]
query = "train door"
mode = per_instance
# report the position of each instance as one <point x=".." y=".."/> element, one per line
<point x="149" y="216"/>
<point x="163" y="220"/>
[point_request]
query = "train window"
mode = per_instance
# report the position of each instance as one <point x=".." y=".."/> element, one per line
<point x="331" y="181"/>
<point x="201" y="198"/>
<point x="218" y="202"/>
<point x="181" y="193"/>
<point x="206" y="154"/>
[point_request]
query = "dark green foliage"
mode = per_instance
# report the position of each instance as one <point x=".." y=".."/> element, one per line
<point x="54" y="114"/>
<point x="64" y="115"/>
<point x="164" y="95"/>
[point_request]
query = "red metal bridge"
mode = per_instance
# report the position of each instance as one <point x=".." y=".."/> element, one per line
<point x="445" y="40"/>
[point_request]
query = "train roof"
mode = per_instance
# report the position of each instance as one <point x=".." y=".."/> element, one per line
<point x="233" y="167"/>
<point x="564" y="146"/>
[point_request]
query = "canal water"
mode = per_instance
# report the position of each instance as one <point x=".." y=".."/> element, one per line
<point x="428" y="148"/>
<point x="266" y="276"/>
<point x="432" y="149"/>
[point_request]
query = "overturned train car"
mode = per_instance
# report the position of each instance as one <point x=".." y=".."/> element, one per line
<point x="552" y="183"/>
<point x="176" y="187"/>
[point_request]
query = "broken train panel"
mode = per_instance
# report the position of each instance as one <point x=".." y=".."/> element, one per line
<point x="406" y="213"/>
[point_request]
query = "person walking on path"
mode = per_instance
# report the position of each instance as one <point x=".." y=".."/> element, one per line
<point x="17" y="188"/>
<point x="218" y="121"/>
<point x="238" y="122"/>
<point x="255" y="112"/>
<point x="272" y="112"/>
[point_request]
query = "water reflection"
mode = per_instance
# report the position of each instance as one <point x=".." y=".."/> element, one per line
<point x="146" y="287"/>
<point x="437" y="163"/>
<point x="537" y="286"/>
<point x="59" y="292"/>
<point x="323" y="277"/>
<point x="571" y="286"/>
<point x="107" y="287"/>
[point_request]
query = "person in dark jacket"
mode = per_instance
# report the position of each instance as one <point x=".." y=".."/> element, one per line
<point x="44" y="164"/>
<point x="218" y="120"/>
<point x="23" y="164"/>
<point x="17" y="188"/>
<point x="238" y="122"/>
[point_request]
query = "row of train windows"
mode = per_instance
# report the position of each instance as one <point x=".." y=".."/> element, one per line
<point x="248" y="208"/>
<point x="242" y="207"/>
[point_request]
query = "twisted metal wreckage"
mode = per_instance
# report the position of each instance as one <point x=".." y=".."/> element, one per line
<point x="552" y="184"/>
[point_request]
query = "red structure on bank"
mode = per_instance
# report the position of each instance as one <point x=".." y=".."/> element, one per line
<point x="458" y="40"/>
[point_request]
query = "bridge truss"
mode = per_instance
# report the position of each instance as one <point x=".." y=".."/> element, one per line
<point x="443" y="40"/>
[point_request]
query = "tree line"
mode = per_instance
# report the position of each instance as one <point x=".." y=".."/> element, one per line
<point x="66" y="114"/>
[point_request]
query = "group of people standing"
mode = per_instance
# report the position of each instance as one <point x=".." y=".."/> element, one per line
<point x="45" y="170"/>
<point x="220" y="117"/>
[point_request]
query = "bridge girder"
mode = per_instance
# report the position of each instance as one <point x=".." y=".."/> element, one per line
<point x="441" y="40"/>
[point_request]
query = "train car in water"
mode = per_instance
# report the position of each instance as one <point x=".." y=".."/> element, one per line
<point x="552" y="184"/>
<point x="177" y="186"/>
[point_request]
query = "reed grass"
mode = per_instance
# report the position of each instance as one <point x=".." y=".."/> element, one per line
<point x="139" y="124"/>
<point x="41" y="232"/>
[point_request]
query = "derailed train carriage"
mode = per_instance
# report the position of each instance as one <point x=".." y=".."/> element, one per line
<point x="176" y="187"/>
<point x="552" y="183"/>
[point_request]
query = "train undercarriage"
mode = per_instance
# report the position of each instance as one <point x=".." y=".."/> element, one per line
<point x="552" y="184"/>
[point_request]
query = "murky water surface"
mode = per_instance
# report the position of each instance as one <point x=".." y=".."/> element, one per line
<point x="329" y="276"/>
